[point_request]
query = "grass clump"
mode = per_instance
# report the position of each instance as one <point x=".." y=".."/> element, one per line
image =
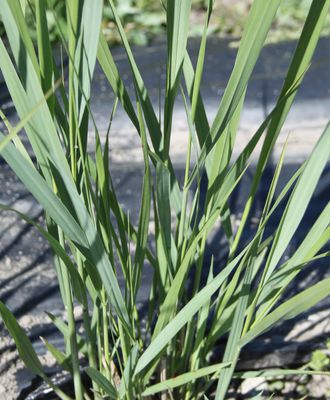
<point x="165" y="353"/>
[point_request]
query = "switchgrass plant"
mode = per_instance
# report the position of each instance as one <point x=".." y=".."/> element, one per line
<point x="165" y="352"/>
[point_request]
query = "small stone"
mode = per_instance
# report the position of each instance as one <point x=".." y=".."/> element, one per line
<point x="253" y="384"/>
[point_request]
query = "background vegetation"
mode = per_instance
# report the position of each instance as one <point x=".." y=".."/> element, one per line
<point x="145" y="19"/>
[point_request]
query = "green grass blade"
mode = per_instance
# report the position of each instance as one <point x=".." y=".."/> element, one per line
<point x="38" y="187"/>
<point x="16" y="140"/>
<point x="232" y="348"/>
<point x="316" y="238"/>
<point x="127" y="383"/>
<point x="298" y="66"/>
<point x="102" y="382"/>
<point x="16" y="26"/>
<point x="200" y="62"/>
<point x="144" y="220"/>
<point x="184" y="315"/>
<point x="241" y="161"/>
<point x="149" y="113"/>
<point x="228" y="298"/>
<point x="13" y="131"/>
<point x="86" y="238"/>
<point x="289" y="309"/>
<point x="163" y="186"/>
<point x="77" y="283"/>
<point x="184" y="379"/>
<point x="64" y="330"/>
<point x="111" y="72"/>
<point x="44" y="51"/>
<point x="274" y="372"/>
<point x="86" y="50"/>
<point x="201" y="122"/>
<point x="169" y="304"/>
<point x="48" y="141"/>
<point x="259" y="22"/>
<point x="25" y="348"/>
<point x="58" y="355"/>
<point x="177" y="34"/>
<point x="299" y="200"/>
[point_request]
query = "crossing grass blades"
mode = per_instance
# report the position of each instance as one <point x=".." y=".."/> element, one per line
<point x="92" y="236"/>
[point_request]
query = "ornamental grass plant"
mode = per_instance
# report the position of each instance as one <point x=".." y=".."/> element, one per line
<point x="165" y="352"/>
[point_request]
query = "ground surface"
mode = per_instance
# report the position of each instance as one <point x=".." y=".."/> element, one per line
<point x="27" y="279"/>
